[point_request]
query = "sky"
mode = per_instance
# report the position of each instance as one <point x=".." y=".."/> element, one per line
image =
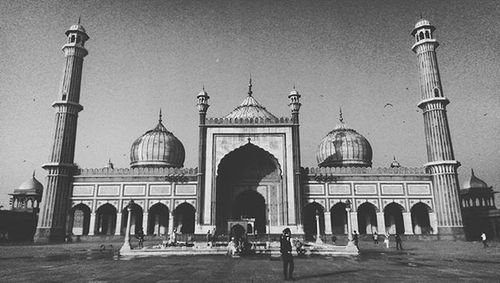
<point x="147" y="55"/>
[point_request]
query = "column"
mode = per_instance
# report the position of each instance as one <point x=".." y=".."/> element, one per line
<point x="118" y="224"/>
<point x="380" y="223"/>
<point x="171" y="224"/>
<point x="328" y="223"/>
<point x="92" y="224"/>
<point x="433" y="222"/>
<point x="407" y="223"/>
<point x="354" y="221"/>
<point x="145" y="223"/>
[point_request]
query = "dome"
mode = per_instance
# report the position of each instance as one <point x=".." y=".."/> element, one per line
<point x="77" y="27"/>
<point x="31" y="186"/>
<point x="475" y="183"/>
<point x="422" y="23"/>
<point x="250" y="108"/>
<point x="344" y="147"/>
<point x="395" y="163"/>
<point x="157" y="148"/>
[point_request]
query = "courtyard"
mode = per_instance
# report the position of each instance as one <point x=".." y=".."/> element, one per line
<point x="431" y="261"/>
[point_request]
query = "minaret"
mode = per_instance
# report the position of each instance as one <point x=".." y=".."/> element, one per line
<point x="441" y="161"/>
<point x="202" y="110"/>
<point x="294" y="104"/>
<point x="56" y="196"/>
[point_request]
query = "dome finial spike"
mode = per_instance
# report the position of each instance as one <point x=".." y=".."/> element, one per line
<point x="79" y="19"/>
<point x="472" y="171"/>
<point x="394" y="157"/>
<point x="159" y="119"/>
<point x="250" y="86"/>
<point x="341" y="118"/>
<point x="33" y="173"/>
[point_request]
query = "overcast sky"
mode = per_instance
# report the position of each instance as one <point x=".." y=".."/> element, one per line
<point x="147" y="55"/>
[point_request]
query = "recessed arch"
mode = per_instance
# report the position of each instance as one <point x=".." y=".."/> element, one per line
<point x="251" y="204"/>
<point x="158" y="218"/>
<point x="184" y="217"/>
<point x="338" y="216"/>
<point x="420" y="219"/>
<point x="393" y="216"/>
<point x="135" y="219"/>
<point x="367" y="218"/>
<point x="80" y="219"/>
<point x="309" y="213"/>
<point x="105" y="223"/>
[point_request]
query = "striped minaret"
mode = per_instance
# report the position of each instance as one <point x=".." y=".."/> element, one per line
<point x="56" y="196"/>
<point x="442" y="164"/>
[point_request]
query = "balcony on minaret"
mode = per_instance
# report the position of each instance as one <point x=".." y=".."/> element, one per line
<point x="423" y="32"/>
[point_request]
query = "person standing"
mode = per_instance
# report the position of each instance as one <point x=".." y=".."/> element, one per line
<point x="355" y="237"/>
<point x="399" y="242"/>
<point x="483" y="239"/>
<point x="140" y="237"/>
<point x="286" y="254"/>
<point x="375" y="238"/>
<point x="386" y="241"/>
<point x="209" y="239"/>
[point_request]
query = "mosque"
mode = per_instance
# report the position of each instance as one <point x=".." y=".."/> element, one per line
<point x="249" y="177"/>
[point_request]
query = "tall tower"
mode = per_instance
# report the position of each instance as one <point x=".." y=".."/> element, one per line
<point x="202" y="155"/>
<point x="441" y="161"/>
<point x="56" y="196"/>
<point x="294" y="104"/>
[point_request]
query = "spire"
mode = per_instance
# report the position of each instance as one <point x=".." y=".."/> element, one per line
<point x="33" y="173"/>
<point x="472" y="171"/>
<point x="250" y="87"/>
<point x="341" y="119"/>
<point x="79" y="19"/>
<point x="159" y="119"/>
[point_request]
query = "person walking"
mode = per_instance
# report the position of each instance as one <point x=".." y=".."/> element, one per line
<point x="209" y="239"/>
<point x="375" y="238"/>
<point x="399" y="242"/>
<point x="483" y="239"/>
<point x="286" y="254"/>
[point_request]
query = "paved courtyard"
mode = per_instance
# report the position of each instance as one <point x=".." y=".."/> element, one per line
<point x="433" y="261"/>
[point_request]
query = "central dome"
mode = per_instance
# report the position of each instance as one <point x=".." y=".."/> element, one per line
<point x="250" y="108"/>
<point x="157" y="148"/>
<point x="344" y="147"/>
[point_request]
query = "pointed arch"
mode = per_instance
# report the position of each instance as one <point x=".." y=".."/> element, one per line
<point x="393" y="216"/>
<point x="184" y="217"/>
<point x="80" y="219"/>
<point x="420" y="219"/>
<point x="367" y="218"/>
<point x="309" y="213"/>
<point x="338" y="216"/>
<point x="158" y="218"/>
<point x="105" y="223"/>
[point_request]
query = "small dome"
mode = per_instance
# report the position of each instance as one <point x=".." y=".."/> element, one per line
<point x="31" y="186"/>
<point x="157" y="148"/>
<point x="422" y="23"/>
<point x="250" y="108"/>
<point x="395" y="163"/>
<point x="77" y="27"/>
<point x="475" y="183"/>
<point x="344" y="147"/>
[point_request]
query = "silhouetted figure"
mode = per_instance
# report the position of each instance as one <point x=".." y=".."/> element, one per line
<point x="355" y="238"/>
<point x="286" y="254"/>
<point x="399" y="242"/>
<point x="334" y="239"/>
<point x="140" y="237"/>
<point x="209" y="239"/>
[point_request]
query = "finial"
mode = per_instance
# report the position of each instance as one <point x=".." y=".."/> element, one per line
<point x="341" y="119"/>
<point x="472" y="171"/>
<point x="79" y="19"/>
<point x="33" y="173"/>
<point x="250" y="86"/>
<point x="159" y="119"/>
<point x="249" y="139"/>
<point x="203" y="87"/>
<point x="394" y="157"/>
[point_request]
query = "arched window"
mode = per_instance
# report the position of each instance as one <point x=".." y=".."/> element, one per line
<point x="437" y="92"/>
<point x="72" y="38"/>
<point x="427" y="34"/>
<point x="421" y="35"/>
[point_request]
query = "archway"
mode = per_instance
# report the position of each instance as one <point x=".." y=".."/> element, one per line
<point x="81" y="220"/>
<point x="105" y="220"/>
<point x="393" y="216"/>
<point x="251" y="204"/>
<point x="237" y="231"/>
<point x="253" y="172"/>
<point x="338" y="216"/>
<point x="158" y="220"/>
<point x="367" y="218"/>
<point x="135" y="219"/>
<point x="309" y="220"/>
<point x="184" y="216"/>
<point x="420" y="219"/>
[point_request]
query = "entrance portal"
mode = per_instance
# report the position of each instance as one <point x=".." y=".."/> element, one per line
<point x="251" y="204"/>
<point x="249" y="185"/>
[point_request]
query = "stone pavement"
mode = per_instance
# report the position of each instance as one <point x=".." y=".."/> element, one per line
<point x="432" y="261"/>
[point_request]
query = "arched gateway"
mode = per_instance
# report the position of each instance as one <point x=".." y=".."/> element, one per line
<point x="249" y="186"/>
